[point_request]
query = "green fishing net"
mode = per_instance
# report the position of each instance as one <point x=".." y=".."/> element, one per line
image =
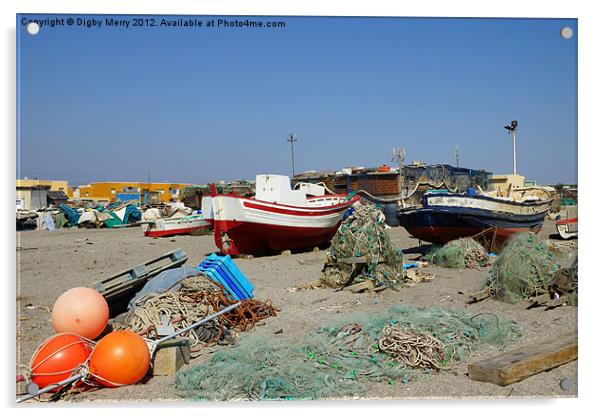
<point x="522" y="269"/>
<point x="459" y="254"/>
<point x="338" y="360"/>
<point x="572" y="297"/>
<point x="363" y="234"/>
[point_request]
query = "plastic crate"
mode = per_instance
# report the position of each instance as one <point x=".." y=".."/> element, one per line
<point x="223" y="270"/>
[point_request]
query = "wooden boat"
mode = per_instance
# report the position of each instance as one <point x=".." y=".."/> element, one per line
<point x="567" y="225"/>
<point x="443" y="217"/>
<point x="567" y="228"/>
<point x="164" y="227"/>
<point x="278" y="218"/>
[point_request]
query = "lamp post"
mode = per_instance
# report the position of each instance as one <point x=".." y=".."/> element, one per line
<point x="512" y="129"/>
<point x="292" y="140"/>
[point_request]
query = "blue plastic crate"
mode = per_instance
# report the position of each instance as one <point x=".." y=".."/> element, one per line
<point x="228" y="269"/>
<point x="231" y="288"/>
<point x="223" y="270"/>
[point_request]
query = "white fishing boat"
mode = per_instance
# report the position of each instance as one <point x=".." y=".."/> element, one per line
<point x="163" y="227"/>
<point x="278" y="218"/>
<point x="567" y="225"/>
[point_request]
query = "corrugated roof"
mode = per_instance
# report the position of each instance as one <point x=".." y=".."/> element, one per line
<point x="57" y="195"/>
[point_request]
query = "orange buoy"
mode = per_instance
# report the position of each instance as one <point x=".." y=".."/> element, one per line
<point x="119" y="358"/>
<point x="81" y="310"/>
<point x="58" y="357"/>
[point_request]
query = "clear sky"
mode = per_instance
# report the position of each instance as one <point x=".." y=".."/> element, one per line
<point x="207" y="103"/>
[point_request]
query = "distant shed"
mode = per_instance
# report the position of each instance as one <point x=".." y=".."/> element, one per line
<point x="56" y="198"/>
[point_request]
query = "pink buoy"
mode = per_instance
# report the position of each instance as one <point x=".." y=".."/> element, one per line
<point x="82" y="311"/>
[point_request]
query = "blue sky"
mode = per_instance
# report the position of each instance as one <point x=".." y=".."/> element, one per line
<point x="201" y="104"/>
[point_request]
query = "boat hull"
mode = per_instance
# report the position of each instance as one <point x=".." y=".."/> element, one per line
<point x="248" y="226"/>
<point x="177" y="226"/>
<point x="567" y="228"/>
<point x="448" y="217"/>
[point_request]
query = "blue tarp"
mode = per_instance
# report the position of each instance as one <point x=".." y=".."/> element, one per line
<point x="133" y="212"/>
<point x="71" y="214"/>
<point x="49" y="222"/>
<point x="167" y="280"/>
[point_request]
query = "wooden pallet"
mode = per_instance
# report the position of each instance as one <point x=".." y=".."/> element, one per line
<point x="513" y="366"/>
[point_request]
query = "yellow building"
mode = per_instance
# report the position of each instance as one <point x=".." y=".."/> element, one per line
<point x="110" y="191"/>
<point x="52" y="185"/>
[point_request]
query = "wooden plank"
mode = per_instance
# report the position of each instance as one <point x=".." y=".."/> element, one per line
<point x="556" y="303"/>
<point x="353" y="260"/>
<point x="358" y="260"/>
<point x="170" y="357"/>
<point x="479" y="296"/>
<point x="513" y="366"/>
<point x="360" y="287"/>
<point x="539" y="300"/>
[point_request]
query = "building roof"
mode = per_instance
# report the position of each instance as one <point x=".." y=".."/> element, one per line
<point x="57" y="195"/>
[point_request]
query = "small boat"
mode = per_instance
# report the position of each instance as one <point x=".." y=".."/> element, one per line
<point x="278" y="218"/>
<point x="567" y="228"/>
<point x="446" y="216"/>
<point x="567" y="225"/>
<point x="163" y="227"/>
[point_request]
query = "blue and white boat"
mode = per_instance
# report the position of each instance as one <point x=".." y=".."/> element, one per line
<point x="443" y="217"/>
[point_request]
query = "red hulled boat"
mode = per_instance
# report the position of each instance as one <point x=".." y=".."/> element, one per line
<point x="278" y="218"/>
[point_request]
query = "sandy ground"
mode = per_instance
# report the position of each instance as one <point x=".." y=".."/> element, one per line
<point x="49" y="263"/>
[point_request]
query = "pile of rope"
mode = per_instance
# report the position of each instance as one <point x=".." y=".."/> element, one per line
<point x="411" y="347"/>
<point x="563" y="246"/>
<point x="459" y="254"/>
<point x="339" y="360"/>
<point x="523" y="269"/>
<point x="363" y="234"/>
<point x="197" y="298"/>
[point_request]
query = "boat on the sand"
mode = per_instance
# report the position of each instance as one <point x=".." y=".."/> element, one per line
<point x="446" y="216"/>
<point x="164" y="227"/>
<point x="278" y="218"/>
<point x="568" y="221"/>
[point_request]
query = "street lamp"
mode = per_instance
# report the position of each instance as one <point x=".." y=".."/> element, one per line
<point x="512" y="129"/>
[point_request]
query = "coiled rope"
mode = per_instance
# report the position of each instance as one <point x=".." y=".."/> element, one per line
<point x="197" y="298"/>
<point x="413" y="348"/>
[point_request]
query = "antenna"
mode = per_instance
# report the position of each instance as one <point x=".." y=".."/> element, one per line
<point x="457" y="154"/>
<point x="292" y="139"/>
<point x="399" y="155"/>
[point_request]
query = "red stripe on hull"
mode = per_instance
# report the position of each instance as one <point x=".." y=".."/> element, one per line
<point x="316" y="212"/>
<point x="569" y="221"/>
<point x="340" y="196"/>
<point x="442" y="235"/>
<point x="254" y="238"/>
<point x="166" y="233"/>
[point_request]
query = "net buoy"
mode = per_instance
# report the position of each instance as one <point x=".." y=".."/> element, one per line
<point x="58" y="357"/>
<point x="82" y="311"/>
<point x="119" y="358"/>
